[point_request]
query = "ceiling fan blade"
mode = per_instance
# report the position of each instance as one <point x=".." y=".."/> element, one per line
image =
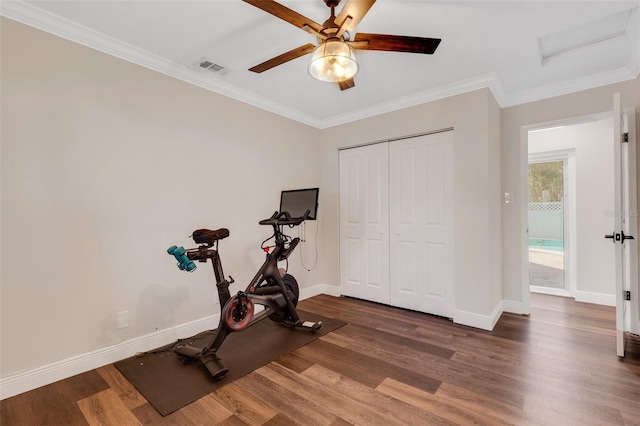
<point x="285" y="57"/>
<point x="356" y="9"/>
<point x="286" y="14"/>
<point x="394" y="43"/>
<point x="347" y="84"/>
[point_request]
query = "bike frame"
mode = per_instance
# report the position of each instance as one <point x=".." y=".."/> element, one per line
<point x="237" y="312"/>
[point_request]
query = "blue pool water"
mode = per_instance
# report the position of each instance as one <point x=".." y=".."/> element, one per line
<point x="554" y="245"/>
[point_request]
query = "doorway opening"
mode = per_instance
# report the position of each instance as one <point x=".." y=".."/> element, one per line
<point x="581" y="149"/>
<point x="550" y="215"/>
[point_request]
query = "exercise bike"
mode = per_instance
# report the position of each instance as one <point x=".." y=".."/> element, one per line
<point x="277" y="294"/>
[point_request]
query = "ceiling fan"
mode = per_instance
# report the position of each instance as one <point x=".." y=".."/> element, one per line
<point x="333" y="59"/>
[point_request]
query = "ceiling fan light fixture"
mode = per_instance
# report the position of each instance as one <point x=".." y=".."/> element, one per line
<point x="333" y="61"/>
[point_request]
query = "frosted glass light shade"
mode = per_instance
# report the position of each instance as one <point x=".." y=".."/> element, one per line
<point x="333" y="61"/>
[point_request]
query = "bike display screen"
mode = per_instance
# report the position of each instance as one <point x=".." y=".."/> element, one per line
<point x="298" y="201"/>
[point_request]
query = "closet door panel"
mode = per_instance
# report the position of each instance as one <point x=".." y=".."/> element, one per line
<point x="435" y="270"/>
<point x="421" y="224"/>
<point x="364" y="223"/>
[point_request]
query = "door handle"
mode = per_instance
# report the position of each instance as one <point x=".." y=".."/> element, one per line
<point x="619" y="237"/>
<point x="626" y="237"/>
<point x="612" y="236"/>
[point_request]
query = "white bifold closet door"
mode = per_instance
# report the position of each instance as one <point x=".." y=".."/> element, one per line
<point x="396" y="223"/>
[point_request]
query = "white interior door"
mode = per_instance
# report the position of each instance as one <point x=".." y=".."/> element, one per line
<point x="630" y="220"/>
<point x="364" y="222"/>
<point x="625" y="213"/>
<point x="421" y="223"/>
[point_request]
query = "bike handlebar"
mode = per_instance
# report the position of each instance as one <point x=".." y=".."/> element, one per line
<point x="207" y="238"/>
<point x="284" y="218"/>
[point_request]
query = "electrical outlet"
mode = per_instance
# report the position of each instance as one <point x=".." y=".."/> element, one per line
<point x="123" y="319"/>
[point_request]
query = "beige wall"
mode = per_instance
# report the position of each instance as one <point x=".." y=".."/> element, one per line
<point x="105" y="165"/>
<point x="513" y="119"/>
<point x="475" y="119"/>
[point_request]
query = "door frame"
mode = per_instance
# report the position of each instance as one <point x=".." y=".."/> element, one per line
<point x="524" y="189"/>
<point x="568" y="157"/>
<point x="632" y="217"/>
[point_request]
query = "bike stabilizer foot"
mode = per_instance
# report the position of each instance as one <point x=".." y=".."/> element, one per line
<point x="214" y="364"/>
<point x="209" y="359"/>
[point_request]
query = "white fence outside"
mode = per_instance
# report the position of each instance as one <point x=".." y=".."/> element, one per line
<point x="546" y="221"/>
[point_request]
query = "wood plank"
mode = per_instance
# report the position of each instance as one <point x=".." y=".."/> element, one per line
<point x="125" y="390"/>
<point x="106" y="408"/>
<point x="374" y="315"/>
<point x="630" y="419"/>
<point x="393" y="410"/>
<point x="249" y="410"/>
<point x="549" y="410"/>
<point x="490" y="383"/>
<point x="232" y="421"/>
<point x="560" y="377"/>
<point x="402" y="342"/>
<point x="53" y="404"/>
<point x="341" y="422"/>
<point x="452" y="409"/>
<point x="294" y="362"/>
<point x="207" y="410"/>
<point x="484" y="405"/>
<point x="147" y="415"/>
<point x="334" y="402"/>
<point x="363" y="367"/>
<point x="297" y="408"/>
<point x="279" y="420"/>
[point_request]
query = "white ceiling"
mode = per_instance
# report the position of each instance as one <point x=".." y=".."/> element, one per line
<point x="484" y="44"/>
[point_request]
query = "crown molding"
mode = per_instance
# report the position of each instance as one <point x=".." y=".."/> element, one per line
<point x="72" y="31"/>
<point x="572" y="86"/>
<point x="489" y="81"/>
<point x="69" y="30"/>
<point x="32" y="16"/>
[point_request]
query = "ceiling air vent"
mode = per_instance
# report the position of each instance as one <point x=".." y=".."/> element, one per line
<point x="212" y="67"/>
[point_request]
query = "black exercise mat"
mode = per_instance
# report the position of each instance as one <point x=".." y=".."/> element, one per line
<point x="169" y="384"/>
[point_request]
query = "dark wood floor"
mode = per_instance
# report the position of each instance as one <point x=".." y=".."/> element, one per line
<point x="389" y="366"/>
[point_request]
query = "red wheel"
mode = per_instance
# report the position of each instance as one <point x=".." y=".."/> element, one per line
<point x="238" y="316"/>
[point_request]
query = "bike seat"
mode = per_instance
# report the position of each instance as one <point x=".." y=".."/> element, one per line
<point x="209" y="237"/>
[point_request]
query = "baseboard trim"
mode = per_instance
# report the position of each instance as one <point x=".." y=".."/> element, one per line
<point x="484" y="322"/>
<point x="513" y="307"/>
<point x="550" y="291"/>
<point x="596" y="298"/>
<point x="330" y="290"/>
<point x="41" y="376"/>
